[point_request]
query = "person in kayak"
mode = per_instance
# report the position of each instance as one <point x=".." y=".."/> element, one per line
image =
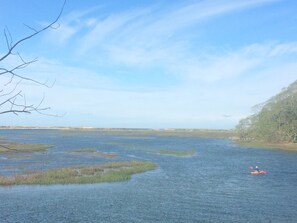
<point x="257" y="169"/>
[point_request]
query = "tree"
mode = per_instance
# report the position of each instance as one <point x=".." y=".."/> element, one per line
<point x="275" y="120"/>
<point x="12" y="98"/>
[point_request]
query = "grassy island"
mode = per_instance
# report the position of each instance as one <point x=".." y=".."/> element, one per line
<point x="108" y="172"/>
<point x="95" y="152"/>
<point x="177" y="153"/>
<point x="13" y="147"/>
<point x="85" y="150"/>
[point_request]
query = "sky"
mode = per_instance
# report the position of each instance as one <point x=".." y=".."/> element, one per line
<point x="151" y="64"/>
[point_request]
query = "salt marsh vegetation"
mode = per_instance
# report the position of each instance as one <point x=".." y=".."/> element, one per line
<point x="107" y="172"/>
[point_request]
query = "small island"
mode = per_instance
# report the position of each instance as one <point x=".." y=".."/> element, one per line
<point x="177" y="153"/>
<point x="14" y="147"/>
<point x="94" y="152"/>
<point x="107" y="172"/>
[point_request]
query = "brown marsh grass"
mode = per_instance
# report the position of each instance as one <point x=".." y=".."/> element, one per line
<point x="95" y="153"/>
<point x="177" y="153"/>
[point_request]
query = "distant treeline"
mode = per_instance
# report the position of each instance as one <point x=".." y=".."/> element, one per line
<point x="273" y="121"/>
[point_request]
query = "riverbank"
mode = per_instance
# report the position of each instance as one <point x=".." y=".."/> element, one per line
<point x="204" y="133"/>
<point x="200" y="133"/>
<point x="266" y="145"/>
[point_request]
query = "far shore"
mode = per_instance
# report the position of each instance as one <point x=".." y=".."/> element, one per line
<point x="266" y="145"/>
<point x="184" y="132"/>
<point x="178" y="132"/>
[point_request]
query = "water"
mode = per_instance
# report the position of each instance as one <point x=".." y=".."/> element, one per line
<point x="212" y="186"/>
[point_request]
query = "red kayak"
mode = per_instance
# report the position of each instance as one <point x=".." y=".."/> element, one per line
<point x="258" y="172"/>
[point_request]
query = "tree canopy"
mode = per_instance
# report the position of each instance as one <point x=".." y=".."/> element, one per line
<point x="274" y="121"/>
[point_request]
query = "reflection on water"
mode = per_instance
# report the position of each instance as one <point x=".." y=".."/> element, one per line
<point x="212" y="186"/>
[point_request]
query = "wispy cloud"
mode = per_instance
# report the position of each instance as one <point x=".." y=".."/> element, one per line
<point x="71" y="24"/>
<point x="236" y="62"/>
<point x="142" y="34"/>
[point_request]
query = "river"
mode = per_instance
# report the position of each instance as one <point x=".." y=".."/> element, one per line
<point x="213" y="185"/>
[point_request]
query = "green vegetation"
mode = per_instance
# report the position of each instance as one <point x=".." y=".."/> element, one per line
<point x="85" y="150"/>
<point x="274" y="122"/>
<point x="95" y="152"/>
<point x="23" y="156"/>
<point x="12" y="147"/>
<point x="267" y="145"/>
<point x="105" y="155"/>
<point x="177" y="153"/>
<point x="143" y="133"/>
<point x="201" y="133"/>
<point x="108" y="172"/>
<point x="14" y="167"/>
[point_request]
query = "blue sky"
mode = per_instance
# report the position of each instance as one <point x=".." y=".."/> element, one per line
<point x="153" y="64"/>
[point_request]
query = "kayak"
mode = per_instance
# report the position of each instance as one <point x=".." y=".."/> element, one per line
<point x="258" y="172"/>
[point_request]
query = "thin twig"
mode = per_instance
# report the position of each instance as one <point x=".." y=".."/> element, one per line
<point x="11" y="48"/>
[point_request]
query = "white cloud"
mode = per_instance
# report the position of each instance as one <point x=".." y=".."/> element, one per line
<point x="231" y="64"/>
<point x="71" y="24"/>
<point x="142" y="33"/>
<point x="109" y="29"/>
<point x="270" y="49"/>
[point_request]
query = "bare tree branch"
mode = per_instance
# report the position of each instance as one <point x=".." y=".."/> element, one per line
<point x="29" y="27"/>
<point x="13" y="100"/>
<point x="11" y="47"/>
<point x="9" y="93"/>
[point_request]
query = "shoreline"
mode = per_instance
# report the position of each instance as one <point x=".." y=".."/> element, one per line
<point x="265" y="145"/>
<point x="113" y="128"/>
<point x="179" y="132"/>
<point x="203" y="133"/>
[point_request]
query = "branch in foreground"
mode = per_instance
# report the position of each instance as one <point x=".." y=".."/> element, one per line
<point x="12" y="46"/>
<point x="11" y="97"/>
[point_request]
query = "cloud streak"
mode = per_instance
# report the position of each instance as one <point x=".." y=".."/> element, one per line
<point x="138" y="36"/>
<point x="156" y="36"/>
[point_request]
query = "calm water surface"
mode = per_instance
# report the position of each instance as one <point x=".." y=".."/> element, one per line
<point x="212" y="186"/>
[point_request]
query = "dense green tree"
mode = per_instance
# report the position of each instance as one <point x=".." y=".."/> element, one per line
<point x="274" y="121"/>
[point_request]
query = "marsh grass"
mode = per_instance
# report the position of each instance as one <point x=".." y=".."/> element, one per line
<point x="265" y="145"/>
<point x="95" y="153"/>
<point x="203" y="133"/>
<point x="21" y="156"/>
<point x="84" y="150"/>
<point x="108" y="172"/>
<point x="177" y="153"/>
<point x="14" y="167"/>
<point x="13" y="147"/>
<point x="103" y="154"/>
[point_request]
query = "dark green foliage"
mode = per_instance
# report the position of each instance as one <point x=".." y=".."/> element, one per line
<point x="276" y="120"/>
